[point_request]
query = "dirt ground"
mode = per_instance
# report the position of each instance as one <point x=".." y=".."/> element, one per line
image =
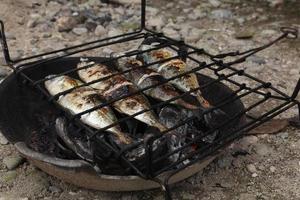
<point x="270" y="170"/>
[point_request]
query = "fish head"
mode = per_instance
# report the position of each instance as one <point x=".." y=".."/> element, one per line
<point x="57" y="84"/>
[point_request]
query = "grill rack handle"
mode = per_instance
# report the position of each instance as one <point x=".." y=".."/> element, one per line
<point x="4" y="45"/>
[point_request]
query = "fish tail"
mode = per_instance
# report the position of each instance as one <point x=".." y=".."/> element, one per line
<point x="204" y="103"/>
<point x="160" y="126"/>
<point x="214" y="117"/>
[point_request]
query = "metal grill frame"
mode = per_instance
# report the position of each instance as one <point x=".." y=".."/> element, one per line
<point x="185" y="51"/>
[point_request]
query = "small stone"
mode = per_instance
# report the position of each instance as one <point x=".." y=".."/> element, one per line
<point x="254" y="175"/>
<point x="3" y="140"/>
<point x="79" y="30"/>
<point x="13" y="162"/>
<point x="156" y="22"/>
<point x="225" y="161"/>
<point x="268" y="32"/>
<point x="194" y="35"/>
<point x="171" y="33"/>
<point x="8" y="176"/>
<point x="10" y="36"/>
<point x="284" y="135"/>
<point x="114" y="32"/>
<point x="130" y="26"/>
<point x="21" y="20"/>
<point x="214" y="3"/>
<point x="31" y="23"/>
<point x="46" y="35"/>
<point x="264" y="150"/>
<point x="100" y="31"/>
<point x="66" y="23"/>
<point x="244" y="34"/>
<point x="240" y="20"/>
<point x="221" y="14"/>
<point x="55" y="189"/>
<point x="272" y="169"/>
<point x="72" y="193"/>
<point x="4" y="71"/>
<point x="90" y="25"/>
<point x="276" y="3"/>
<point x="251" y="168"/>
<point x="256" y="59"/>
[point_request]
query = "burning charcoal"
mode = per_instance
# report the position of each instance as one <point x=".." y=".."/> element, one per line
<point x="80" y="147"/>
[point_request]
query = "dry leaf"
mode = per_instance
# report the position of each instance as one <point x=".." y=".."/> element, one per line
<point x="271" y="127"/>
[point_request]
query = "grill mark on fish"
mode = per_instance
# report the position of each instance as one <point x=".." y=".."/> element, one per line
<point x="118" y="86"/>
<point x="85" y="98"/>
<point x="147" y="77"/>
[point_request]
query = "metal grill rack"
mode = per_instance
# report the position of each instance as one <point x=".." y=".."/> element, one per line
<point x="225" y="72"/>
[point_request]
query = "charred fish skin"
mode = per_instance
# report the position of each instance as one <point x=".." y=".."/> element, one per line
<point x="145" y="77"/>
<point x="83" y="150"/>
<point x="82" y="99"/>
<point x="118" y="86"/>
<point x="185" y="83"/>
<point x="58" y="84"/>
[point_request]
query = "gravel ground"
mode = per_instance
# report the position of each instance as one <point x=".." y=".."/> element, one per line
<point x="270" y="170"/>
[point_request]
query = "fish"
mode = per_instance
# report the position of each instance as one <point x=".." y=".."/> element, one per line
<point x="145" y="77"/>
<point x="82" y="99"/>
<point x="172" y="68"/>
<point x="118" y="86"/>
<point x="186" y="83"/>
<point x="81" y="148"/>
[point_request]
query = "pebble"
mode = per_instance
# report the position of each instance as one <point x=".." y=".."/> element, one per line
<point x="251" y="168"/>
<point x="244" y="34"/>
<point x="4" y="71"/>
<point x="263" y="149"/>
<point x="254" y="175"/>
<point x="284" y="135"/>
<point x="194" y="35"/>
<point x="12" y="162"/>
<point x="3" y="140"/>
<point x="156" y="22"/>
<point x="272" y="169"/>
<point x="221" y="14"/>
<point x="225" y="161"/>
<point x="55" y="189"/>
<point x="256" y="59"/>
<point x="10" y="36"/>
<point x="214" y="3"/>
<point x="72" y="193"/>
<point x="90" y="25"/>
<point x="66" y="23"/>
<point x="9" y="176"/>
<point x="52" y="9"/>
<point x="31" y="23"/>
<point x="46" y="35"/>
<point x="171" y="33"/>
<point x="100" y="31"/>
<point x="80" y="30"/>
<point x="114" y="32"/>
<point x="268" y="32"/>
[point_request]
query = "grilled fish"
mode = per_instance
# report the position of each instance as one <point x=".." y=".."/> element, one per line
<point x="117" y="86"/>
<point x="145" y="77"/>
<point x="174" y="68"/>
<point x="82" y="99"/>
<point x="185" y="83"/>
